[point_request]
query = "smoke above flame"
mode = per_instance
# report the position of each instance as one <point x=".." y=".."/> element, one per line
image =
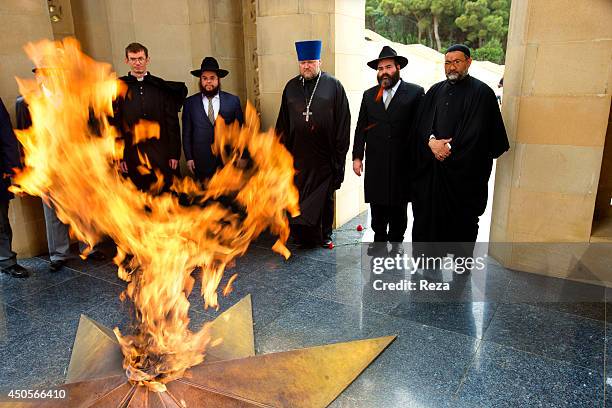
<point x="71" y="153"/>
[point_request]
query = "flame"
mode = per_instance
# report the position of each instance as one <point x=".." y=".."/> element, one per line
<point x="145" y="129"/>
<point x="159" y="241"/>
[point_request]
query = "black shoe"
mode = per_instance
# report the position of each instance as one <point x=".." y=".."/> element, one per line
<point x="377" y="249"/>
<point x="396" y="249"/>
<point x="55" y="266"/>
<point x="16" y="271"/>
<point x="97" y="256"/>
<point x="327" y="242"/>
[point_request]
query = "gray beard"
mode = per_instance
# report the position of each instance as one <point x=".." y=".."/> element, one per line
<point x="456" y="77"/>
<point x="312" y="77"/>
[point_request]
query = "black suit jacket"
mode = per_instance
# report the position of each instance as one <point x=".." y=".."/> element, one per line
<point x="9" y="153"/>
<point x="383" y="137"/>
<point x="198" y="132"/>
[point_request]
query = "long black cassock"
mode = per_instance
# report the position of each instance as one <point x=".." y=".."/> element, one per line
<point x="318" y="146"/>
<point x="450" y="195"/>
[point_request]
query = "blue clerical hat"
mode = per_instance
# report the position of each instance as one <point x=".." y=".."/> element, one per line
<point x="308" y="50"/>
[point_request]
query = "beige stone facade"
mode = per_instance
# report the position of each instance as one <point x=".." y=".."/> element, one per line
<point x="556" y="109"/>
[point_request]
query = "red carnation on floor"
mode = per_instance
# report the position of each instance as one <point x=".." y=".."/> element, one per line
<point x="360" y="227"/>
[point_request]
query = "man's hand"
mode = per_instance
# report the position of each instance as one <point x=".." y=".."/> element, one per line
<point x="123" y="166"/>
<point x="357" y="166"/>
<point x="439" y="148"/>
<point x="191" y="165"/>
<point x="173" y="163"/>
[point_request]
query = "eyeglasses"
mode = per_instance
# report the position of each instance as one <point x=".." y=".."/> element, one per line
<point x="139" y="59"/>
<point x="455" y="62"/>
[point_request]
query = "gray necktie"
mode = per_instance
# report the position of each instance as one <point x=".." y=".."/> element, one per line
<point x="388" y="98"/>
<point x="211" y="111"/>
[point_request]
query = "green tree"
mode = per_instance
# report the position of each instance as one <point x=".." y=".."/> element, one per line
<point x="483" y="20"/>
<point x="439" y="23"/>
<point x="439" y="9"/>
<point x="491" y="51"/>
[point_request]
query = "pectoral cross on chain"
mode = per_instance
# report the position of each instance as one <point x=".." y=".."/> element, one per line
<point x="308" y="113"/>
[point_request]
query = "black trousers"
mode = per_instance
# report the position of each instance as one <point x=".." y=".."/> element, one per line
<point x="395" y="217"/>
<point x="7" y="256"/>
<point x="442" y="234"/>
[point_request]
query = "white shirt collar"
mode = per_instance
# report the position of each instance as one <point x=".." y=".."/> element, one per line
<point x="213" y="98"/>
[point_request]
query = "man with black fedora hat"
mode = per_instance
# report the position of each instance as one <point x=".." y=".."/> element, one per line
<point x="200" y="112"/>
<point x="151" y="99"/>
<point x="382" y="136"/>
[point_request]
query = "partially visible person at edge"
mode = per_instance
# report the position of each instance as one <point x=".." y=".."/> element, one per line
<point x="9" y="160"/>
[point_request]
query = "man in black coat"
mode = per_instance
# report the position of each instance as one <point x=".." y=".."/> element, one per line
<point x="383" y="135"/>
<point x="9" y="160"/>
<point x="459" y="133"/>
<point x="151" y="99"/>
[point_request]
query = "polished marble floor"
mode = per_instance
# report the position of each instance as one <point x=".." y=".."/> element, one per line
<point x="504" y="339"/>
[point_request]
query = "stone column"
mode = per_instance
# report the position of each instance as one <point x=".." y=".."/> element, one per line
<point x="339" y="24"/>
<point x="556" y="107"/>
<point x="251" y="58"/>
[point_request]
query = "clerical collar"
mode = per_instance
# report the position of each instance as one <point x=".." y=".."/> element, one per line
<point x="139" y="78"/>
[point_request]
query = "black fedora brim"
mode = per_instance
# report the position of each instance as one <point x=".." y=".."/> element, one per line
<point x="402" y="61"/>
<point x="221" y="73"/>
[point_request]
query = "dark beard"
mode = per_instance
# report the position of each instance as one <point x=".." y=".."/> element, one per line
<point x="209" y="93"/>
<point x="393" y="78"/>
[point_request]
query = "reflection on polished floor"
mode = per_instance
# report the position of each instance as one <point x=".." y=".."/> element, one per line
<point x="500" y="338"/>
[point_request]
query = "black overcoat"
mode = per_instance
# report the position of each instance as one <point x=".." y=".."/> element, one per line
<point x="384" y="137"/>
<point x="9" y="153"/>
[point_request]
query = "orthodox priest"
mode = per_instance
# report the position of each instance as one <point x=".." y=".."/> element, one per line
<point x="460" y="132"/>
<point x="314" y="125"/>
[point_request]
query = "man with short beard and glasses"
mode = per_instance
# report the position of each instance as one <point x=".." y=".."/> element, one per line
<point x="459" y="133"/>
<point x="383" y="134"/>
<point x="314" y="125"/>
<point x="200" y="113"/>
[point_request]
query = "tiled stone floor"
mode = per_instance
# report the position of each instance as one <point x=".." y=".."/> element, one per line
<point x="514" y="347"/>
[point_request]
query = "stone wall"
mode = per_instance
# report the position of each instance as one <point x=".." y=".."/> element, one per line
<point x="556" y="107"/>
